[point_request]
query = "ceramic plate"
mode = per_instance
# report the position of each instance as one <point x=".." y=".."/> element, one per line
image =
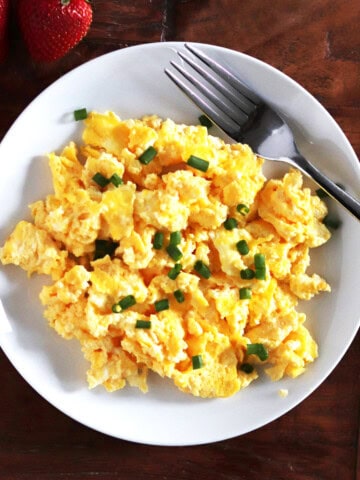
<point x="132" y="83"/>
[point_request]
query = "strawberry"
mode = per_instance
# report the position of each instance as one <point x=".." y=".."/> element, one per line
<point x="52" y="27"/>
<point x="4" y="19"/>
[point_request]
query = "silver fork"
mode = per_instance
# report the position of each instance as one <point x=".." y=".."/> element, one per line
<point x="242" y="114"/>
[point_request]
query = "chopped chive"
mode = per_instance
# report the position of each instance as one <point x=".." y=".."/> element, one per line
<point x="247" y="274"/>
<point x="116" y="308"/>
<point x="202" y="269"/>
<point x="245" y="293"/>
<point x="127" y="302"/>
<point x="321" y="193"/>
<point x="161" y="305"/>
<point x="331" y="222"/>
<point x="259" y="260"/>
<point x="242" y="209"/>
<point x="230" y="223"/>
<point x="116" y="180"/>
<point x="100" y="180"/>
<point x="257" y="349"/>
<point x="104" y="247"/>
<point x="174" y="272"/>
<point x="197" y="361"/>
<point x="198" y="163"/>
<point x="246" y="368"/>
<point x="143" y="324"/>
<point x="179" y="296"/>
<point x="147" y="156"/>
<point x="260" y="273"/>
<point x="174" y="252"/>
<point x="205" y="121"/>
<point x="260" y="266"/>
<point x="80" y="114"/>
<point x="175" y="238"/>
<point x="242" y="247"/>
<point x="158" y="240"/>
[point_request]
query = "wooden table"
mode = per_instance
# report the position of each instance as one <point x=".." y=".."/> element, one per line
<point x="316" y="42"/>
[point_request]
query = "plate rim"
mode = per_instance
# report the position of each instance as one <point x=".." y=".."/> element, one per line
<point x="352" y="158"/>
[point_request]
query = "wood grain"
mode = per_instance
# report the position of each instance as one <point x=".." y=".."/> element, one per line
<point x="317" y="43"/>
<point x="316" y="440"/>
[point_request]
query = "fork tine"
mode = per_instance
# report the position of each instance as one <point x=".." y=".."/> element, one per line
<point x="228" y="108"/>
<point x="226" y="73"/>
<point x="222" y="86"/>
<point x="220" y="119"/>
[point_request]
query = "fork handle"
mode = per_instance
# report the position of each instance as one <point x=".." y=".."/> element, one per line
<point x="336" y="192"/>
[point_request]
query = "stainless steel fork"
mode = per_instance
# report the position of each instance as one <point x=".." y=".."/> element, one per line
<point x="242" y="114"/>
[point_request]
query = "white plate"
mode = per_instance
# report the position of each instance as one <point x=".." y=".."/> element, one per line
<point x="132" y="83"/>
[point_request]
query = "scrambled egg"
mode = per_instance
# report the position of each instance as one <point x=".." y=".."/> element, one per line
<point x="192" y="271"/>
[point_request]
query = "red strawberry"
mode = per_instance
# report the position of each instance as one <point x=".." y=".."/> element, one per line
<point x="52" y="27"/>
<point x="4" y="19"/>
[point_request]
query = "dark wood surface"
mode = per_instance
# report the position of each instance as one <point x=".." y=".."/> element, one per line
<point x="316" y="42"/>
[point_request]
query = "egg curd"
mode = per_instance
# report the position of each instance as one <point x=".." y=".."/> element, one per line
<point x="170" y="252"/>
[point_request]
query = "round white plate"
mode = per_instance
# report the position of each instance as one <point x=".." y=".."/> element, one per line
<point x="132" y="83"/>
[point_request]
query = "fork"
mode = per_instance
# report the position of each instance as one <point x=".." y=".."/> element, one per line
<point x="242" y="114"/>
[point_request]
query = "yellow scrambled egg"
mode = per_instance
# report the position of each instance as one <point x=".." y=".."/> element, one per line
<point x="190" y="270"/>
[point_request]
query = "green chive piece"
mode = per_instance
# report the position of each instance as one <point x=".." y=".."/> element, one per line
<point x="174" y="252"/>
<point x="259" y="260"/>
<point x="321" y="193"/>
<point x="202" y="269"/>
<point x="161" y="305"/>
<point x="116" y="180"/>
<point x="205" y="121"/>
<point x="116" y="308"/>
<point x="100" y="180"/>
<point x="147" y="156"/>
<point x="247" y="274"/>
<point x="230" y="223"/>
<point x="198" y="163"/>
<point x="179" y="296"/>
<point x="174" y="272"/>
<point x="260" y="273"/>
<point x="175" y="238"/>
<point x="245" y="293"/>
<point x="104" y="247"/>
<point x="257" y="349"/>
<point x="242" y="209"/>
<point x="246" y="368"/>
<point x="331" y="222"/>
<point x="260" y="266"/>
<point x="158" y="240"/>
<point x="127" y="302"/>
<point x="80" y="114"/>
<point x="143" y="324"/>
<point x="197" y="361"/>
<point x="242" y="247"/>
